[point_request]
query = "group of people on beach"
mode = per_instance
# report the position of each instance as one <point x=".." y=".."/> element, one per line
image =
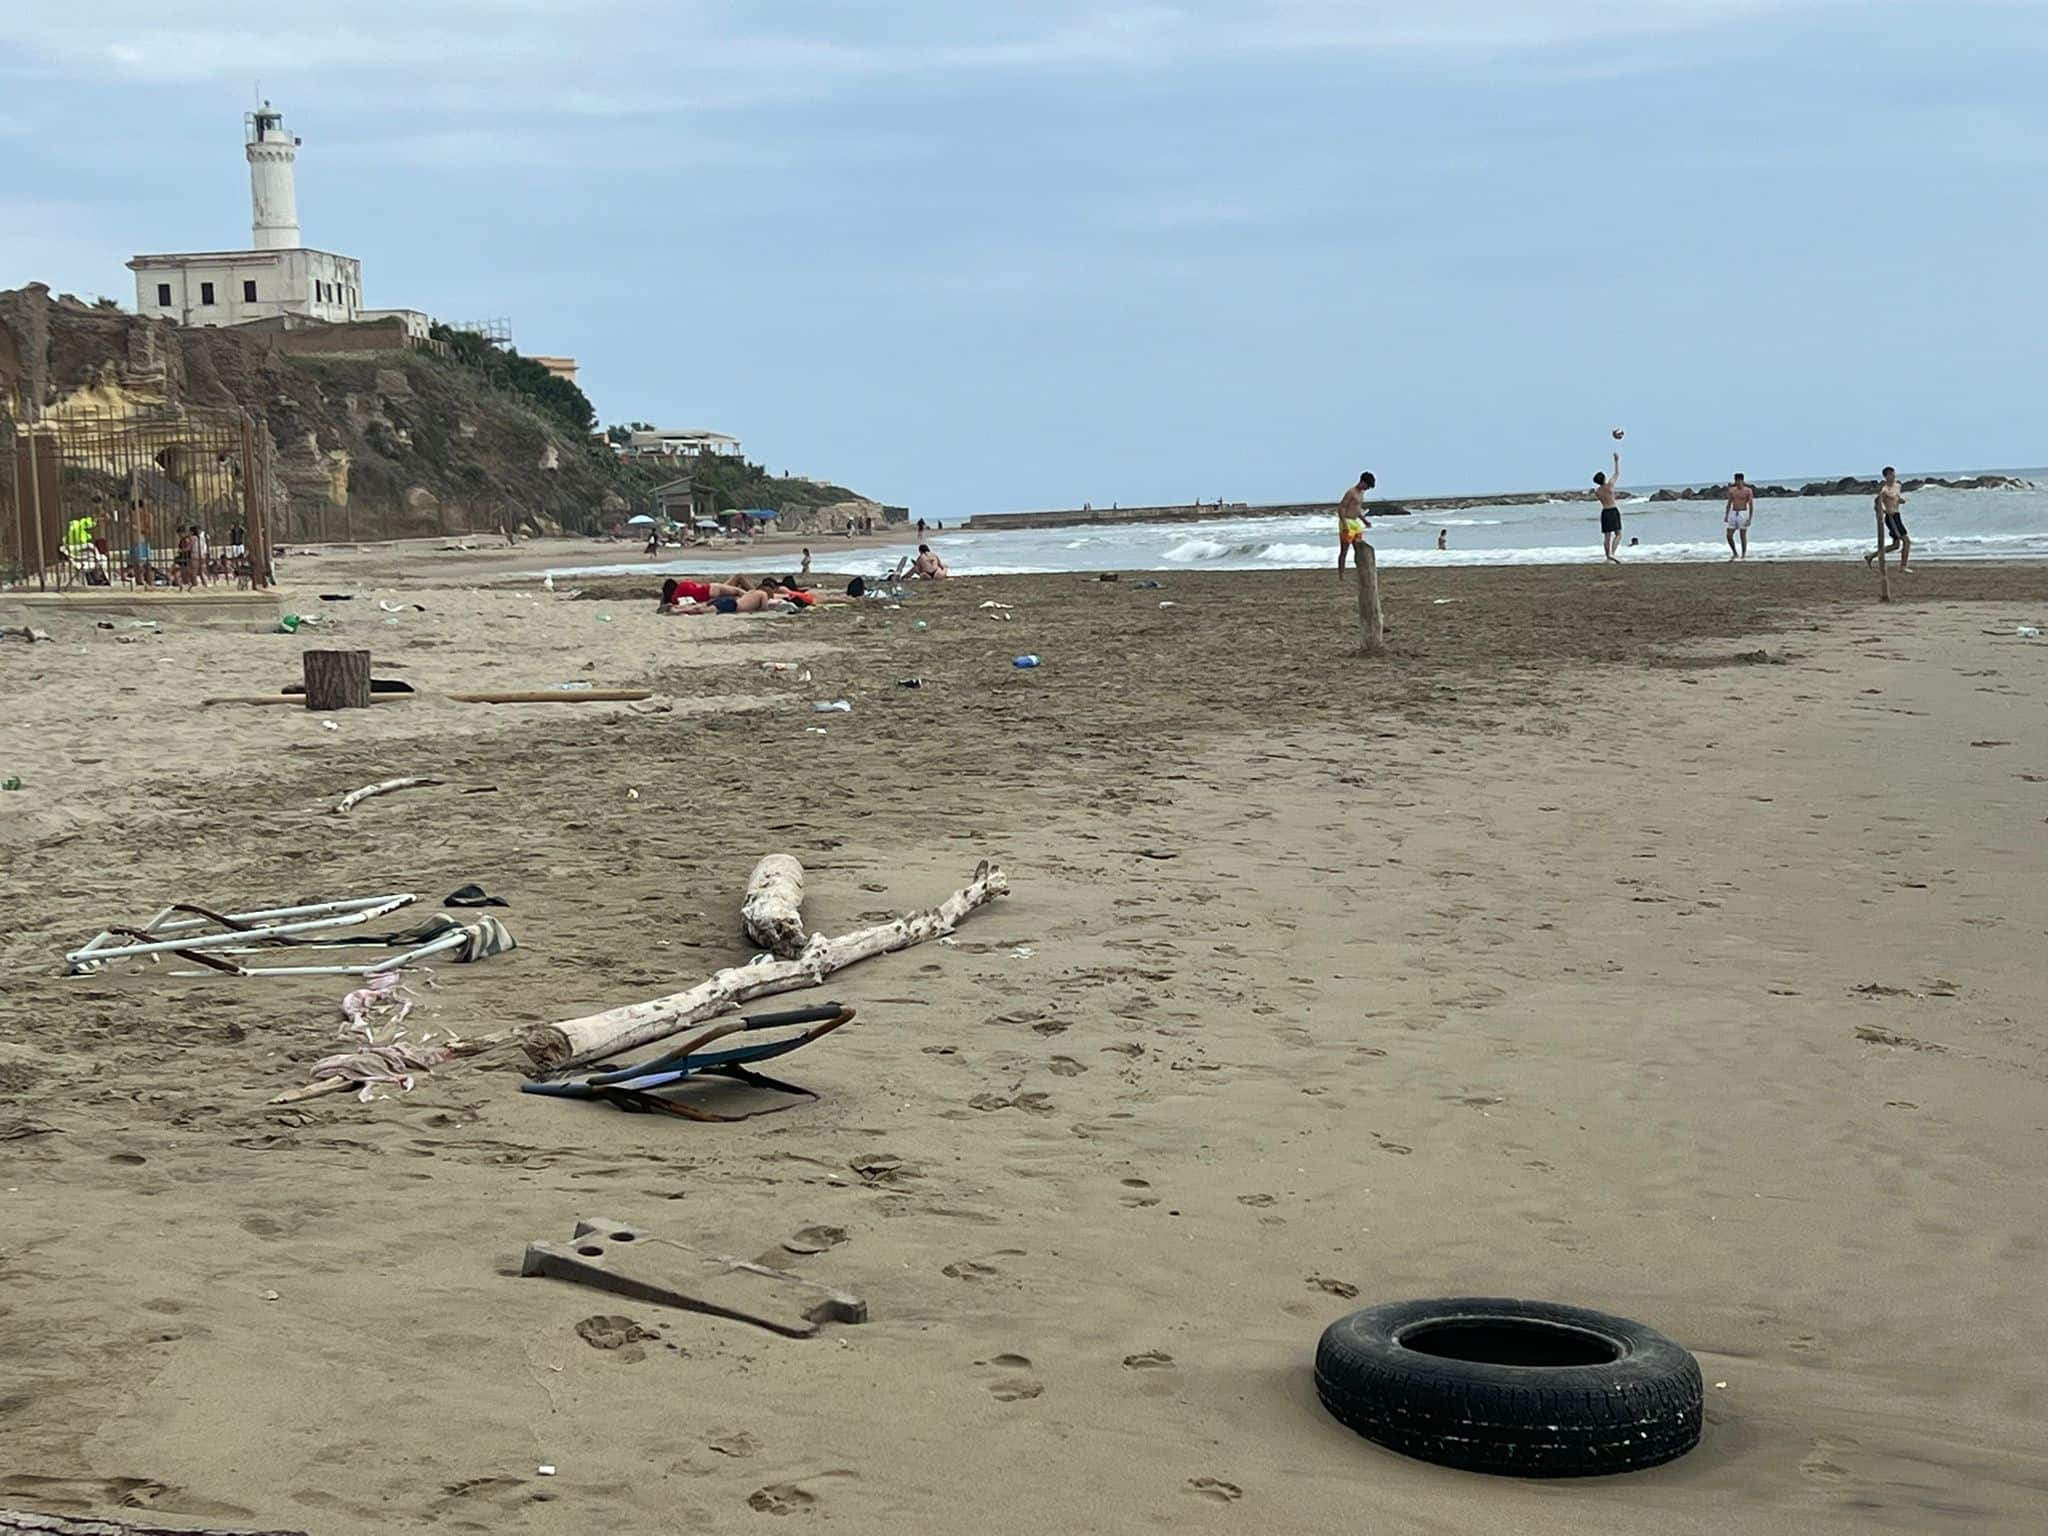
<point x="1736" y="517"/>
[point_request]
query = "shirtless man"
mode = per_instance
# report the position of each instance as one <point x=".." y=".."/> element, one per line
<point x="1741" y="508"/>
<point x="1351" y="519"/>
<point x="1891" y="496"/>
<point x="1604" y="486"/>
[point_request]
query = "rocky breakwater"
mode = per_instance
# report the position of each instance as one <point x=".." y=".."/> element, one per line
<point x="1848" y="485"/>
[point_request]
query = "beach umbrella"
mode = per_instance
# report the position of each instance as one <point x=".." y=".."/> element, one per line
<point x="642" y="521"/>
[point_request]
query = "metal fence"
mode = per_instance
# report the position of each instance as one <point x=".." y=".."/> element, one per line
<point x="167" y="499"/>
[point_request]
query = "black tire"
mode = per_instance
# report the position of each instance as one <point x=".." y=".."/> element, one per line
<point x="1589" y="1394"/>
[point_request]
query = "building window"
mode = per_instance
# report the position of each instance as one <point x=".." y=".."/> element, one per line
<point x="163" y="295"/>
<point x="248" y="292"/>
<point x="206" y="293"/>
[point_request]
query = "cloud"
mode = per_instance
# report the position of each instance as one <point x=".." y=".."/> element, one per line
<point x="628" y="57"/>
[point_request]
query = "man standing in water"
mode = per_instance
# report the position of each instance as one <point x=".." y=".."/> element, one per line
<point x="1741" y="508"/>
<point x="1891" y="496"/>
<point x="1604" y="486"/>
<point x="1351" y="519"/>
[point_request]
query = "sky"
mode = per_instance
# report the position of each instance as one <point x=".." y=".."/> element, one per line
<point x="976" y="258"/>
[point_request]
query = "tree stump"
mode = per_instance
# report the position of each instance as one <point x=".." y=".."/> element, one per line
<point x="1372" y="636"/>
<point x="337" y="680"/>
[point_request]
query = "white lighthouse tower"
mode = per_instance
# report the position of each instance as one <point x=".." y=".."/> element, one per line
<point x="273" y="190"/>
<point x="278" y="279"/>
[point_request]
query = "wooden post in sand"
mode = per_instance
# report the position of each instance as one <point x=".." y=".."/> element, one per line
<point x="337" y="680"/>
<point x="1372" y="634"/>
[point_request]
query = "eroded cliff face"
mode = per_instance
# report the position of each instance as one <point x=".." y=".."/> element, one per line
<point x="371" y="440"/>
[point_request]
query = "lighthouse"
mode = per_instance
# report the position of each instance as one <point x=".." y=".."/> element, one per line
<point x="273" y="191"/>
<point x="278" y="279"/>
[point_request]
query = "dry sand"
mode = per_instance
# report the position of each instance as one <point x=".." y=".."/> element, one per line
<point x="1565" y="954"/>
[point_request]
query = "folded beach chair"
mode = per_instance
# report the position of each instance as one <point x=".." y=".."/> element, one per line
<point x="645" y="1089"/>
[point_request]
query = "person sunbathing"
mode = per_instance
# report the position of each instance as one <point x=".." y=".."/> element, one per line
<point x="675" y="592"/>
<point x="928" y="565"/>
<point x="760" y="600"/>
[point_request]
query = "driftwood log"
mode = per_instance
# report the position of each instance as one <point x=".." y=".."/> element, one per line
<point x="574" y="1042"/>
<point x="1372" y="630"/>
<point x="557" y="696"/>
<point x="773" y="912"/>
<point x="337" y="680"/>
<point x="356" y="797"/>
<point x="22" y="1522"/>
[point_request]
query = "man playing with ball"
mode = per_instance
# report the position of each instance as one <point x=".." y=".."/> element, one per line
<point x="1604" y="486"/>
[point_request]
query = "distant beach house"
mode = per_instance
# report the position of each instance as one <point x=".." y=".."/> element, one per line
<point x="678" y="445"/>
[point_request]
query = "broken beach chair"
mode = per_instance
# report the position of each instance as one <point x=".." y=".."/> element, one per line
<point x="643" y="1089"/>
<point x="211" y="939"/>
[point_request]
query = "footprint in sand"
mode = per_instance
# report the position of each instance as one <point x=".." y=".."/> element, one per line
<point x="793" y="1497"/>
<point x="1138" y="1194"/>
<point x="1341" y="1288"/>
<point x="781" y="1499"/>
<point x="1150" y="1360"/>
<point x="968" y="1269"/>
<point x="1065" y="1066"/>
<point x="1260" y="1201"/>
<point x="1215" y="1489"/>
<point x="814" y="1239"/>
<point x="1011" y="1378"/>
<point x="736" y="1443"/>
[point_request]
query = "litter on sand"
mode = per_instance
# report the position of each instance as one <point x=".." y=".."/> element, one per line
<point x="214" y="940"/>
<point x="616" y="1256"/>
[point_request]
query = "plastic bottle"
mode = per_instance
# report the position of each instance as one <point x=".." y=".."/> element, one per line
<point x="1025" y="661"/>
<point x="832" y="707"/>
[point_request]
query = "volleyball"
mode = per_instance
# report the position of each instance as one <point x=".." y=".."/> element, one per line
<point x="1619" y="434"/>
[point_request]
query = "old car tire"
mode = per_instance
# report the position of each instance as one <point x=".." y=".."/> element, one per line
<point x="1520" y="1388"/>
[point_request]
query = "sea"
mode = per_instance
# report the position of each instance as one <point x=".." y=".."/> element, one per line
<point x="1945" y="525"/>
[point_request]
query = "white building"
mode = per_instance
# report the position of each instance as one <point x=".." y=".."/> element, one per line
<point x="679" y="445"/>
<point x="279" y="276"/>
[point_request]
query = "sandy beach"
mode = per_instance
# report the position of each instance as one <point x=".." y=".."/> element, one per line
<point x="1662" y="940"/>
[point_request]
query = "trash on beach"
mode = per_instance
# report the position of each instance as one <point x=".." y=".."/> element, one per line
<point x="472" y="895"/>
<point x="211" y="939"/>
<point x="545" y="1469"/>
<point x="1169" y="603"/>
<point x="24" y="631"/>
<point x="992" y="603"/>
<point x="909" y="682"/>
<point x="653" y="1086"/>
<point x="1026" y="662"/>
<point x="356" y="797"/>
<point x="778" y="666"/>
<point x="329" y="725"/>
<point x="2027" y="631"/>
<point x="919" y="625"/>
<point x="833" y="707"/>
<point x="615" y="1256"/>
<point x="12" y="783"/>
<point x="381" y="1004"/>
<point x="548" y="583"/>
<point x="815" y="730"/>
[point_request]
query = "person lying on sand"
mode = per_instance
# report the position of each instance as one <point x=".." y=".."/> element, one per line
<point x="928" y="565"/>
<point x="786" y="589"/>
<point x="674" y="591"/>
<point x="758" y="601"/>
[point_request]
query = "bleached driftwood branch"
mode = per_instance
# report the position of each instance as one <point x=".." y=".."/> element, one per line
<point x="773" y="912"/>
<point x="576" y="1041"/>
<point x="356" y="797"/>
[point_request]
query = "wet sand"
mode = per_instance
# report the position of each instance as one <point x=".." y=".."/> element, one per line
<point x="1663" y="940"/>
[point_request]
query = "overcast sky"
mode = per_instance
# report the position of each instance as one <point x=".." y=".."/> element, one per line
<point x="973" y="257"/>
